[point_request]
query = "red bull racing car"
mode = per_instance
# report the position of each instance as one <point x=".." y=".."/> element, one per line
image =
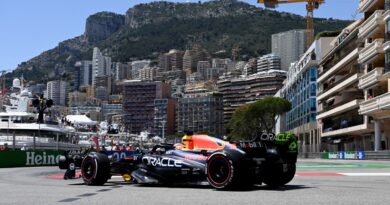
<point x="267" y="159"/>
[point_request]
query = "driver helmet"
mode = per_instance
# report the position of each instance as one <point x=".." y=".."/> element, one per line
<point x="188" y="141"/>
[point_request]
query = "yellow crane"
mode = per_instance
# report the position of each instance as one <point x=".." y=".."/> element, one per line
<point x="310" y="7"/>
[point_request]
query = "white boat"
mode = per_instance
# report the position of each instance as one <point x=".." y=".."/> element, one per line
<point x="19" y="127"/>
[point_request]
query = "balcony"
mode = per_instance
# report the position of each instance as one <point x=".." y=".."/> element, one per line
<point x="337" y="66"/>
<point x="357" y="129"/>
<point x="372" y="25"/>
<point x="370" y="51"/>
<point x="339" y="109"/>
<point x="371" y="78"/>
<point x="370" y="5"/>
<point x="340" y="86"/>
<point x="378" y="106"/>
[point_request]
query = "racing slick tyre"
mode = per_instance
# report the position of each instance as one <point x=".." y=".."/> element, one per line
<point x="95" y="169"/>
<point x="222" y="173"/>
<point x="279" y="174"/>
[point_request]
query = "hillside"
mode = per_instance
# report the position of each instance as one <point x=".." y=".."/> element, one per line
<point x="147" y="30"/>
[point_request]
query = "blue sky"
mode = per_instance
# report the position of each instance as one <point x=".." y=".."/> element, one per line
<point x="30" y="27"/>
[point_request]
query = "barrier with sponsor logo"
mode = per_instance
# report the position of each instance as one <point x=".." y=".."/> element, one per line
<point x="17" y="158"/>
<point x="358" y="155"/>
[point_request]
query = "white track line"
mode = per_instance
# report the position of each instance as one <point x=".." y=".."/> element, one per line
<point x="366" y="174"/>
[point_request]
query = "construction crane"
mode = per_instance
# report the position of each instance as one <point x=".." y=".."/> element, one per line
<point x="310" y="7"/>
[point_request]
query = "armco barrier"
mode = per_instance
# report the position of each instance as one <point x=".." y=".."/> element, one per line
<point x="16" y="158"/>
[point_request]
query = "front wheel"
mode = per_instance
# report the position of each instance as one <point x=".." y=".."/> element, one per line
<point x="95" y="169"/>
<point x="279" y="174"/>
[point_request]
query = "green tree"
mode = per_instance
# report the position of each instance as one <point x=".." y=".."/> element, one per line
<point x="250" y="120"/>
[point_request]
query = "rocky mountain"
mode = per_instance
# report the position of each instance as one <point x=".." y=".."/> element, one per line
<point x="146" y="30"/>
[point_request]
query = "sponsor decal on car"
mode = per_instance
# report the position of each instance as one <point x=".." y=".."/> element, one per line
<point x="250" y="145"/>
<point x="161" y="161"/>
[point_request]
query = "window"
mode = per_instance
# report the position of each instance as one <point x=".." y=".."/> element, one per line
<point x="387" y="60"/>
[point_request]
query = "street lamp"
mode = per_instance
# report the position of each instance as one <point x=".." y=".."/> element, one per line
<point x="163" y="129"/>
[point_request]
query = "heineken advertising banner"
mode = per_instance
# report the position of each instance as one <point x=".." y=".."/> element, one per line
<point x="11" y="158"/>
<point x="358" y="155"/>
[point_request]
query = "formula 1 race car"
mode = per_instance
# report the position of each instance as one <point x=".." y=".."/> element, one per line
<point x="267" y="159"/>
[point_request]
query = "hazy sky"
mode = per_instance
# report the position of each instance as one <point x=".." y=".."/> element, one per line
<point x="29" y="27"/>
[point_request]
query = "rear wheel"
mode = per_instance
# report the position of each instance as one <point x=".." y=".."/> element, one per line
<point x="222" y="172"/>
<point x="279" y="174"/>
<point x="95" y="169"/>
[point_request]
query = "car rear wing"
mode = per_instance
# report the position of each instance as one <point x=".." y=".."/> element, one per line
<point x="285" y="145"/>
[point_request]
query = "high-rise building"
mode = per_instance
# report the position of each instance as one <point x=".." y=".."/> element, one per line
<point x="289" y="46"/>
<point x="202" y="68"/>
<point x="120" y="71"/>
<point x="164" y="62"/>
<point x="341" y="126"/>
<point x="268" y="62"/>
<point x="104" y="81"/>
<point x="136" y="66"/>
<point x="139" y="103"/>
<point x="201" y="114"/>
<point x="56" y="90"/>
<point x="238" y="89"/>
<point x="84" y="69"/>
<point x="173" y="60"/>
<point x="191" y="57"/>
<point x="101" y="93"/>
<point x="101" y="65"/>
<point x="176" y="59"/>
<point x="189" y="61"/>
<point x="164" y="117"/>
<point x="300" y="88"/>
<point x="109" y="110"/>
<point x="250" y="67"/>
<point x="374" y="59"/>
<point x="147" y="73"/>
<point x="223" y="64"/>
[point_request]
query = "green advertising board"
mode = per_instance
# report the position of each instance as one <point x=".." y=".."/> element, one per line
<point x="17" y="158"/>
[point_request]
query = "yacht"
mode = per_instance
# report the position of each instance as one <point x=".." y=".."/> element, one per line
<point x="19" y="127"/>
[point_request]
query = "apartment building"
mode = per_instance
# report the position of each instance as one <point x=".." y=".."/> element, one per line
<point x="101" y="65"/>
<point x="200" y="114"/>
<point x="300" y="89"/>
<point x="238" y="89"/>
<point x="139" y="103"/>
<point x="342" y="127"/>
<point x="173" y="60"/>
<point x="109" y="110"/>
<point x="136" y="66"/>
<point x="56" y="90"/>
<point x="374" y="59"/>
<point x="289" y="46"/>
<point x="267" y="62"/>
<point x="164" y="117"/>
<point x="82" y="74"/>
<point x="147" y="73"/>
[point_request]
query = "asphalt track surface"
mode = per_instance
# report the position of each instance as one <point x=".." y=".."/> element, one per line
<point x="316" y="182"/>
